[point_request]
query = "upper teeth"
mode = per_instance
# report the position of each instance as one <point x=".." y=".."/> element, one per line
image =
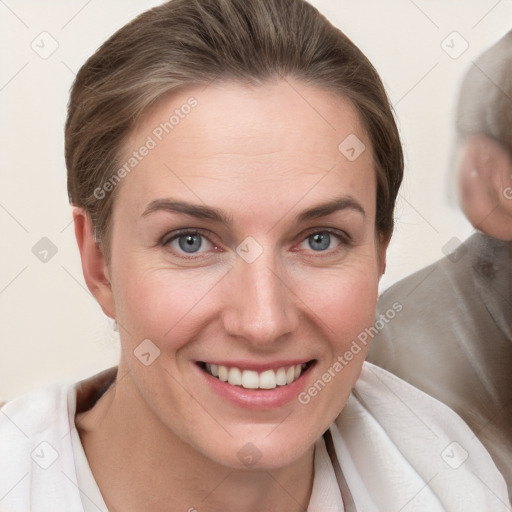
<point x="251" y="379"/>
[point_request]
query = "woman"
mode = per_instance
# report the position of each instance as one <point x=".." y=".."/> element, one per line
<point x="233" y="168"/>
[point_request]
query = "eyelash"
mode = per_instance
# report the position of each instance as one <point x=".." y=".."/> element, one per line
<point x="343" y="237"/>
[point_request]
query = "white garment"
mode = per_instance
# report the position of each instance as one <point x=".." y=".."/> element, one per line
<point x="398" y="448"/>
<point x="459" y="310"/>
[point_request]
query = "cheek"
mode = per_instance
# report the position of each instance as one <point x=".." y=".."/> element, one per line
<point x="344" y="304"/>
<point x="344" y="301"/>
<point x="159" y="303"/>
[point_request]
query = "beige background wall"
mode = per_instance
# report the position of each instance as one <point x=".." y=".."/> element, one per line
<point x="50" y="326"/>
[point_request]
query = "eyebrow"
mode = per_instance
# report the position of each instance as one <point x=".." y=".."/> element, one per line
<point x="213" y="214"/>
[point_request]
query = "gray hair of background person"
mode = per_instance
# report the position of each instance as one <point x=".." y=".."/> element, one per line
<point x="485" y="100"/>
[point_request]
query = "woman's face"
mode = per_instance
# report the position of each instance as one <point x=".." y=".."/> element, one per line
<point x="244" y="244"/>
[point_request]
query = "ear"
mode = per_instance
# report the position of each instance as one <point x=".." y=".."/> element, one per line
<point x="94" y="267"/>
<point x="485" y="186"/>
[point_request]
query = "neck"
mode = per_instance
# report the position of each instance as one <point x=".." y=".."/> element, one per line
<point x="139" y="464"/>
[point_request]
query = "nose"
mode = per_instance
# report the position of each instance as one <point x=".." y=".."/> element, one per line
<point x="261" y="308"/>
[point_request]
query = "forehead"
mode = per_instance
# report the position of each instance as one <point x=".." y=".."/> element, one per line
<point x="255" y="143"/>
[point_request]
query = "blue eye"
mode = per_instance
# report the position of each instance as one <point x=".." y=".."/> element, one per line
<point x="189" y="242"/>
<point x="319" y="241"/>
<point x="323" y="241"/>
<point x="194" y="243"/>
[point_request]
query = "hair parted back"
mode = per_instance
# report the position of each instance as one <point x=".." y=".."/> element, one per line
<point x="191" y="42"/>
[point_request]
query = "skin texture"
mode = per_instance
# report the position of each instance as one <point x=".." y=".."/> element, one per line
<point x="485" y="186"/>
<point x="262" y="155"/>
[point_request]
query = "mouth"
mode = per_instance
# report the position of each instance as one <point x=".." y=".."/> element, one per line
<point x="268" y="379"/>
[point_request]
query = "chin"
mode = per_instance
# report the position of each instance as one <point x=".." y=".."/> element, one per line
<point x="266" y="452"/>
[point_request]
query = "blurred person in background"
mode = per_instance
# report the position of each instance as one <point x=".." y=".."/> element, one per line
<point x="453" y="338"/>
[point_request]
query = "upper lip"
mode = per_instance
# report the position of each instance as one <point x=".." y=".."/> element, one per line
<point x="257" y="366"/>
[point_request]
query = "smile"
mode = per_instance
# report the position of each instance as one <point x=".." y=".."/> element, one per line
<point x="254" y="385"/>
<point x="251" y="379"/>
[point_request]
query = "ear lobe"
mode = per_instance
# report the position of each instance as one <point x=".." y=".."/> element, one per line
<point x="484" y="176"/>
<point x="94" y="267"/>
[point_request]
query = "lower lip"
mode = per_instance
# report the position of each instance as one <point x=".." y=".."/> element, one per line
<point x="257" y="399"/>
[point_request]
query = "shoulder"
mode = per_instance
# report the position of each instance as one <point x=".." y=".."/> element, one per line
<point x="419" y="283"/>
<point x="32" y="411"/>
<point x="382" y="392"/>
<point x="36" y="457"/>
<point x="401" y="440"/>
<point x="435" y="310"/>
<point x="450" y="273"/>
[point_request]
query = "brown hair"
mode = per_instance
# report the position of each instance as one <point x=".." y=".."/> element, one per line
<point x="485" y="100"/>
<point x="189" y="42"/>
